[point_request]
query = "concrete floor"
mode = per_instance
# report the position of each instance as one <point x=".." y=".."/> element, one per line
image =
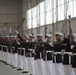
<point x="7" y="70"/>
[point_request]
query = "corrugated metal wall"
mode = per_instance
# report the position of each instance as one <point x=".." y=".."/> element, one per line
<point x="10" y="13"/>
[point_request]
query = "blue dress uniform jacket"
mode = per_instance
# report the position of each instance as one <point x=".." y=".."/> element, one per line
<point x="16" y="46"/>
<point x="23" y="44"/>
<point x="58" y="46"/>
<point x="67" y="49"/>
<point x="74" y="58"/>
<point x="39" y="49"/>
<point x="31" y="45"/>
<point x="48" y="48"/>
<point x="18" y="51"/>
<point x="66" y="56"/>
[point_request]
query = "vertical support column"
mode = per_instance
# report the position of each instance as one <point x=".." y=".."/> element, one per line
<point x="24" y="15"/>
<point x="73" y="8"/>
<point x="56" y="15"/>
<point x="65" y="14"/>
<point x="20" y="15"/>
<point x="53" y="19"/>
<point x="27" y="30"/>
<point x="31" y="17"/>
<point x="39" y="15"/>
<point x="45" y="28"/>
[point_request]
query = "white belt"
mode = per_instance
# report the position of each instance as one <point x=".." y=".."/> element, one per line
<point x="1" y="45"/>
<point x="69" y="53"/>
<point x="33" y="51"/>
<point x="19" y="48"/>
<point x="48" y="51"/>
<point x="5" y="46"/>
<point x="13" y="47"/>
<point x="23" y="49"/>
<point x="30" y="49"/>
<point x="57" y="53"/>
<point x="74" y="53"/>
<point x="40" y="55"/>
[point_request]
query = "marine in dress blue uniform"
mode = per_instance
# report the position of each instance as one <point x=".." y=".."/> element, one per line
<point x="48" y="55"/>
<point x="58" y="47"/>
<point x="39" y="55"/>
<point x="24" y="51"/>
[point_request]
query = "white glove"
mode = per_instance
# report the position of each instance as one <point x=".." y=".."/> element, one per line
<point x="72" y="46"/>
<point x="27" y="41"/>
<point x="16" y="31"/>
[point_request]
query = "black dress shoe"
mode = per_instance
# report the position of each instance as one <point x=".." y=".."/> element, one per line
<point x="14" y="67"/>
<point x="31" y="74"/>
<point x="11" y="65"/>
<point x="19" y="69"/>
<point x="6" y="64"/>
<point x="25" y="72"/>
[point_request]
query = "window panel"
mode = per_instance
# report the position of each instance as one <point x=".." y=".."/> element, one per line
<point x="54" y="15"/>
<point x="38" y="15"/>
<point x="29" y="23"/>
<point x="34" y="12"/>
<point x="34" y="23"/>
<point x="70" y="9"/>
<point x="29" y="14"/>
<point x="37" y="10"/>
<point x="42" y="7"/>
<point x="48" y="18"/>
<point x="48" y="5"/>
<point x="61" y="12"/>
<point x="54" y="4"/>
<point x="74" y="8"/>
<point x="42" y="19"/>
<point x="60" y="2"/>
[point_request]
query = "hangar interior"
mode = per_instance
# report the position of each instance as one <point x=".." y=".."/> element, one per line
<point x="39" y="16"/>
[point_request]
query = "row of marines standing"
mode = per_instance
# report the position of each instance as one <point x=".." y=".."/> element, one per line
<point x="60" y="53"/>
